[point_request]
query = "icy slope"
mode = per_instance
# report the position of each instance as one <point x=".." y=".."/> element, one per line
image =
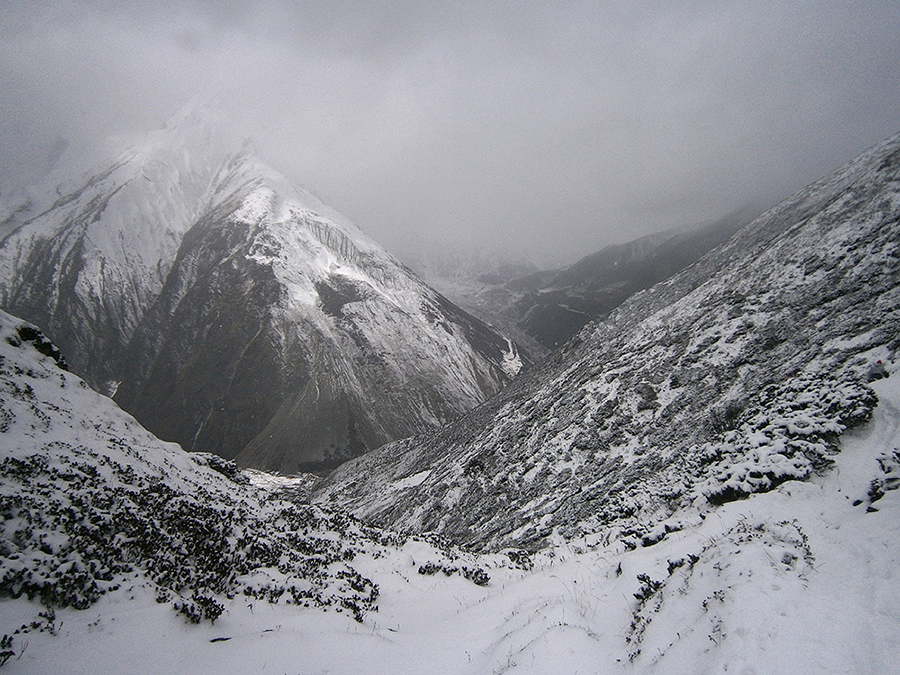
<point x="737" y="374"/>
<point x="799" y="580"/>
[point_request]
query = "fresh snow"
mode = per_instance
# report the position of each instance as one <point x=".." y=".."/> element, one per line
<point x="771" y="547"/>
<point x="512" y="362"/>
<point x="800" y="579"/>
<point x="411" y="481"/>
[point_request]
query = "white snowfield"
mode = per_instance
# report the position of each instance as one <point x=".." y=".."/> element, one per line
<point x="801" y="579"/>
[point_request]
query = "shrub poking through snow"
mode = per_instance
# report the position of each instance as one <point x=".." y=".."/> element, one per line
<point x="474" y="574"/>
<point x="790" y="433"/>
<point x="889" y="464"/>
<point x="6" y="651"/>
<point x="648" y="603"/>
<point x="91" y="502"/>
<point x="778" y="552"/>
<point x="67" y="537"/>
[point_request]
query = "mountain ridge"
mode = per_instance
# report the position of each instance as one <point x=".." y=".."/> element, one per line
<point x="609" y="429"/>
<point x="543" y="309"/>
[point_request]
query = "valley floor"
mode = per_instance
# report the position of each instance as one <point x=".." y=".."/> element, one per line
<point x="799" y="580"/>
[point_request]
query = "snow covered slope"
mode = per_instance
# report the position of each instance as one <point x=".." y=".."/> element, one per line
<point x="92" y="502"/>
<point x="286" y="337"/>
<point x="800" y="579"/>
<point x="233" y="313"/>
<point x="732" y="377"/>
<point x="87" y="267"/>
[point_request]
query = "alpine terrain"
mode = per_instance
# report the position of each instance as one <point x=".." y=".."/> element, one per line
<point x="737" y="374"/>
<point x="705" y="482"/>
<point x="233" y="313"/>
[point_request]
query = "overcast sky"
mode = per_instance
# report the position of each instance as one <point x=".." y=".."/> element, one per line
<point x="557" y="127"/>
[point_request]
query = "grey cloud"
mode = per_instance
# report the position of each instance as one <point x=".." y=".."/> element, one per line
<point x="557" y="128"/>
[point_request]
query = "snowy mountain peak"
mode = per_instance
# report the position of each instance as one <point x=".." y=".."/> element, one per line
<point x="230" y="310"/>
<point x="88" y="267"/>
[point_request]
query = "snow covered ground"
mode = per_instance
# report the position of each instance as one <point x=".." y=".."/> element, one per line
<point x="802" y="579"/>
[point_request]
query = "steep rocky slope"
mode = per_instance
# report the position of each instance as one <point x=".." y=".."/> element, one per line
<point x="735" y="375"/>
<point x="555" y="309"/>
<point x="287" y="338"/>
<point x="233" y="313"/>
<point x="87" y="267"/>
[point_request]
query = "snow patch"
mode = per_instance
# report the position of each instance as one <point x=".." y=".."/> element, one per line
<point x="409" y="481"/>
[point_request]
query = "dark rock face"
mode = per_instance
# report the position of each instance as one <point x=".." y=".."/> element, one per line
<point x="201" y="369"/>
<point x="738" y="373"/>
<point x="46" y="280"/>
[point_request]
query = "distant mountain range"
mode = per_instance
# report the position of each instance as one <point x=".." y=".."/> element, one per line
<point x="543" y="309"/>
